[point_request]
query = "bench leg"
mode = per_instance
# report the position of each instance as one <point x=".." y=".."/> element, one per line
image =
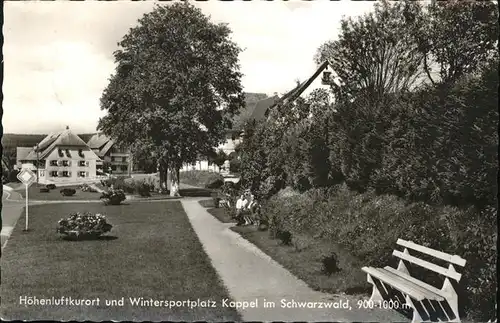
<point x="452" y="299"/>
<point x="416" y="315"/>
<point x="376" y="295"/>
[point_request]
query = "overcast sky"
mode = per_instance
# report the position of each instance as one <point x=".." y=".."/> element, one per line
<point x="58" y="54"/>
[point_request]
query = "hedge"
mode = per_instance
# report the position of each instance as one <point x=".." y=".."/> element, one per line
<point x="368" y="226"/>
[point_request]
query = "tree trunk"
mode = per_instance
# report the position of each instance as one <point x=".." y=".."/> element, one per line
<point x="174" y="181"/>
<point x="163" y="175"/>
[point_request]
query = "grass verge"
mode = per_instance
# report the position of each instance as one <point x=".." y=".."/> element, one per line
<point x="55" y="194"/>
<point x="218" y="213"/>
<point x="304" y="259"/>
<point x="152" y="252"/>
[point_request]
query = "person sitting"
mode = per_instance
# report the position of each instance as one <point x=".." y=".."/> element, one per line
<point x="251" y="208"/>
<point x="240" y="210"/>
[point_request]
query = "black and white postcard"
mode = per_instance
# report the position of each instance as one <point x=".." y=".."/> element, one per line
<point x="316" y="161"/>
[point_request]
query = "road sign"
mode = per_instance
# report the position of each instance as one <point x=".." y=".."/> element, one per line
<point x="26" y="176"/>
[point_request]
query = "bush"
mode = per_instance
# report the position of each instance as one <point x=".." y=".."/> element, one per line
<point x="330" y="264"/>
<point x="218" y="183"/>
<point x="113" y="197"/>
<point x="51" y="186"/>
<point x="200" y="178"/>
<point x="83" y="225"/>
<point x="143" y="189"/>
<point x="68" y="192"/>
<point x="285" y="237"/>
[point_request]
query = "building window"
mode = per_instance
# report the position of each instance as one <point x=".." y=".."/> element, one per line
<point x="60" y="152"/>
<point x="112" y="158"/>
<point x="68" y="153"/>
<point x="53" y="173"/>
<point x="66" y="174"/>
<point x="81" y="174"/>
<point x="113" y="167"/>
<point x="53" y="163"/>
<point x="124" y="159"/>
<point x="124" y="168"/>
<point x="82" y="163"/>
<point x="80" y="153"/>
<point x="65" y="163"/>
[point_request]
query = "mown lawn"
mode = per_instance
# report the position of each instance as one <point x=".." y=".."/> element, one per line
<point x="304" y="259"/>
<point x="151" y="252"/>
<point x="55" y="194"/>
<point x="219" y="213"/>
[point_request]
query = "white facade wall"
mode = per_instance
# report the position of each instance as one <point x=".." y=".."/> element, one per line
<point x="73" y="171"/>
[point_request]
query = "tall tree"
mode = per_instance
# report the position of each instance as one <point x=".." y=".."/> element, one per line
<point x="176" y="87"/>
<point x="375" y="53"/>
<point x="457" y="37"/>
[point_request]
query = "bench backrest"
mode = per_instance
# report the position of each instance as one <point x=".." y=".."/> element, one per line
<point x="451" y="259"/>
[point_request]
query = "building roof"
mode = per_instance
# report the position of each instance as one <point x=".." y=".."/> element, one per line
<point x="63" y="138"/>
<point x="300" y="88"/>
<point x="261" y="107"/>
<point x="22" y="152"/>
<point x="100" y="143"/>
<point x="246" y="112"/>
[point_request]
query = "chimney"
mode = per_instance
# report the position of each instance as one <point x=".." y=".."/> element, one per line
<point x="67" y="127"/>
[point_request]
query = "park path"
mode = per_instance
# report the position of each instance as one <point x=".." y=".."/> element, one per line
<point x="251" y="275"/>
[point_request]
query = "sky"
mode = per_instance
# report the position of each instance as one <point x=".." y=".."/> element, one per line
<point x="58" y="54"/>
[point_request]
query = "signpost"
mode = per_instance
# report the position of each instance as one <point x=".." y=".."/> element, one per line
<point x="27" y="177"/>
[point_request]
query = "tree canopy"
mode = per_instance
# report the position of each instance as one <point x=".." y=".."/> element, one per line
<point x="402" y="45"/>
<point x="176" y="87"/>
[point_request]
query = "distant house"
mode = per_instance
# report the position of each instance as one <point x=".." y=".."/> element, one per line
<point x="233" y="136"/>
<point x="61" y="157"/>
<point x="118" y="159"/>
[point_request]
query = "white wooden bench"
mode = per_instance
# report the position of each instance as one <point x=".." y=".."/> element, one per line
<point x="428" y="303"/>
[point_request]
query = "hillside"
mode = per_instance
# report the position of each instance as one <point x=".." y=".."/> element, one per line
<point x="11" y="140"/>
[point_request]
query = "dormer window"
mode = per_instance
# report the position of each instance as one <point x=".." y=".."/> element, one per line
<point x="60" y="152"/>
<point x="80" y="153"/>
<point x="68" y="153"/>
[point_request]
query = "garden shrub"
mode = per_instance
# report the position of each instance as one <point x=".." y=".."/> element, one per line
<point x="143" y="189"/>
<point x="215" y="184"/>
<point x="330" y="264"/>
<point x="68" y="192"/>
<point x="51" y="186"/>
<point x="113" y="197"/>
<point x="285" y="237"/>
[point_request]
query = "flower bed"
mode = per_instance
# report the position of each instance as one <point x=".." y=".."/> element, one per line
<point x="113" y="197"/>
<point x="82" y="226"/>
<point x="87" y="188"/>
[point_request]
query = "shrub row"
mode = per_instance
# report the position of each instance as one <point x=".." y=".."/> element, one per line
<point x="438" y="144"/>
<point x="368" y="226"/>
<point x="143" y="187"/>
